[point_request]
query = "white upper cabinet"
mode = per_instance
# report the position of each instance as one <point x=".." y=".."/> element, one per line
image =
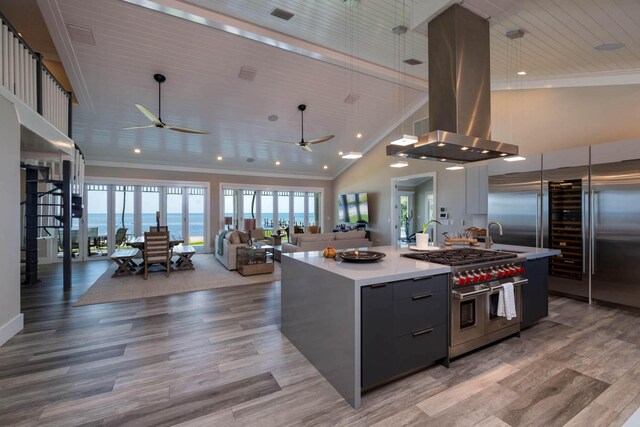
<point x="618" y="151"/>
<point x="566" y="158"/>
<point x="477" y="188"/>
<point x="501" y="167"/>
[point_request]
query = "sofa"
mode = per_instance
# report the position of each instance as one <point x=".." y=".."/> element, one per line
<point x="227" y="242"/>
<point x="317" y="242"/>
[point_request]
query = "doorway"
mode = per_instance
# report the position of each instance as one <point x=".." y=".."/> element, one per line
<point x="413" y="204"/>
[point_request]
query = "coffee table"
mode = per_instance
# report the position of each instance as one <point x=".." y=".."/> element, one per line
<point x="252" y="260"/>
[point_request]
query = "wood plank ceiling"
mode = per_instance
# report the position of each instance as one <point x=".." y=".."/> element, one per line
<point x="202" y="63"/>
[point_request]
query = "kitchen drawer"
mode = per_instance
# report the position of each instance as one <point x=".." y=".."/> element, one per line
<point x="410" y="315"/>
<point x="415" y="287"/>
<point x="413" y="352"/>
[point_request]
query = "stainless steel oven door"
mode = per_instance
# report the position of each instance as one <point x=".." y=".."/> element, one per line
<point x="495" y="322"/>
<point x="468" y="313"/>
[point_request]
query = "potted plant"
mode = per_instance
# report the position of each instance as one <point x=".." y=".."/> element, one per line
<point x="422" y="239"/>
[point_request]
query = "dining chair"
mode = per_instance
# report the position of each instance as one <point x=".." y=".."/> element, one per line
<point x="156" y="251"/>
<point x="313" y="229"/>
<point x="162" y="228"/>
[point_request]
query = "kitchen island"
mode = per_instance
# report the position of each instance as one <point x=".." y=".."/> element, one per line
<point x="324" y="316"/>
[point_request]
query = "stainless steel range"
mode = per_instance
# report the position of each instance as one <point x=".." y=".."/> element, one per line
<point x="476" y="277"/>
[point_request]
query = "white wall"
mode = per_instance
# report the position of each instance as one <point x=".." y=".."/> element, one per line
<point x="11" y="320"/>
<point x="537" y="120"/>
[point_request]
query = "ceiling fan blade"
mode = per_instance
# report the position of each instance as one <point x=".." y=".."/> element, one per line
<point x="285" y="142"/>
<point x="319" y="140"/>
<point x="140" y="127"/>
<point x="306" y="148"/>
<point x="144" y="110"/>
<point x="187" y="130"/>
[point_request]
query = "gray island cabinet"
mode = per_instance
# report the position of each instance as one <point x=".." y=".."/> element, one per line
<point x="364" y="324"/>
<point x="404" y="327"/>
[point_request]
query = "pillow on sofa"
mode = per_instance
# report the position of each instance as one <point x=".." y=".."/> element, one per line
<point x="315" y="238"/>
<point x="351" y="235"/>
<point x="257" y="233"/>
<point x="244" y="236"/>
<point x="293" y="238"/>
<point x="233" y="237"/>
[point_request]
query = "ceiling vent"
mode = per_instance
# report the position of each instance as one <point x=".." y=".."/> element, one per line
<point x="248" y="73"/>
<point x="282" y="14"/>
<point x="400" y="29"/>
<point x="351" y="99"/>
<point x="81" y="34"/>
<point x="412" y="61"/>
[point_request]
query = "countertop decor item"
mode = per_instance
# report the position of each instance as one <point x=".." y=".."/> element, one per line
<point x="361" y="256"/>
<point x="329" y="252"/>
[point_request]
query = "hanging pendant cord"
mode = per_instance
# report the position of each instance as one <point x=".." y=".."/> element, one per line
<point x="159" y="102"/>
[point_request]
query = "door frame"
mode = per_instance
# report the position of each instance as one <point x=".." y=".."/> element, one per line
<point x="394" y="196"/>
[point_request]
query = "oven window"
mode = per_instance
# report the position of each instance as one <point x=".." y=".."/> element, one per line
<point x="493" y="305"/>
<point x="467" y="314"/>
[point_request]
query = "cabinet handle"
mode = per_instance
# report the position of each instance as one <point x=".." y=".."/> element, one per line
<point x="415" y="279"/>
<point x="379" y="285"/>
<point x="424" y="331"/>
<point x="415" y="297"/>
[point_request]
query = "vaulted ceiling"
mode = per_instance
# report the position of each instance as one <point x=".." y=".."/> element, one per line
<point x="327" y="51"/>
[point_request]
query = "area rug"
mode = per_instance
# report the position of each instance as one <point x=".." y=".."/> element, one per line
<point x="208" y="274"/>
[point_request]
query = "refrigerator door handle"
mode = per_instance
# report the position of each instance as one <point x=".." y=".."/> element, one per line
<point x="594" y="221"/>
<point x="585" y="230"/>
<point x="538" y="239"/>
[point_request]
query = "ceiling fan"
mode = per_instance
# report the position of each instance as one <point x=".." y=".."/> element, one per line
<point x="302" y="143"/>
<point x="156" y="121"/>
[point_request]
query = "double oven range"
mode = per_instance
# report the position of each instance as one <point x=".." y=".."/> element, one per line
<point x="476" y="278"/>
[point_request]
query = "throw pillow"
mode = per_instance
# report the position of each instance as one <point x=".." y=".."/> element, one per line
<point x="233" y="237"/>
<point x="244" y="236"/>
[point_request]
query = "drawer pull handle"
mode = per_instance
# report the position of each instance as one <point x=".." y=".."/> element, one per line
<point x="422" y="332"/>
<point x="379" y="285"/>
<point x="415" y="279"/>
<point x="415" y="297"/>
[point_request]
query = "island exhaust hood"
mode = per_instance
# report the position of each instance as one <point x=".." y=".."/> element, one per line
<point x="459" y="93"/>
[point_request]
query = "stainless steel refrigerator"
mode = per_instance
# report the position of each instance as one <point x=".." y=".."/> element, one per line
<point x="515" y="202"/>
<point x="590" y="213"/>
<point x="615" y="251"/>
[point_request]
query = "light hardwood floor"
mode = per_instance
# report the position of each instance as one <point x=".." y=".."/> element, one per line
<point x="217" y="358"/>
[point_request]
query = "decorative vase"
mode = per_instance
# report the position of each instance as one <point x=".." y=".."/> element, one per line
<point x="422" y="240"/>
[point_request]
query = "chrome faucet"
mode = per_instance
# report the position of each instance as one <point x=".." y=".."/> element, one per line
<point x="487" y="241"/>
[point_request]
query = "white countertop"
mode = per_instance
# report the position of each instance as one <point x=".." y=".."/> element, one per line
<point x="526" y="251"/>
<point x="391" y="268"/>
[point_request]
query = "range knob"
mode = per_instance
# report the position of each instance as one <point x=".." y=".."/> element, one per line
<point x="483" y="276"/>
<point x="476" y="277"/>
<point x="500" y="273"/>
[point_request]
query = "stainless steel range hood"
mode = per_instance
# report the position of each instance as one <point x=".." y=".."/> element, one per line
<point x="459" y="93"/>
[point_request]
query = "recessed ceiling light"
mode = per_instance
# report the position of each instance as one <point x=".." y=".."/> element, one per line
<point x="443" y="160"/>
<point x="352" y="155"/>
<point x="137" y="150"/>
<point x="399" y="164"/>
<point x="219" y="157"/>
<point x="609" y="46"/>
<point x="277" y="162"/>
<point x="358" y="135"/>
<point x="455" y="168"/>
<point x="272" y="118"/>
<point x="464" y="148"/>
<point x="325" y="167"/>
<point x="442" y="144"/>
<point x="514" y="159"/>
<point x="522" y="73"/>
<point x="423" y="157"/>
